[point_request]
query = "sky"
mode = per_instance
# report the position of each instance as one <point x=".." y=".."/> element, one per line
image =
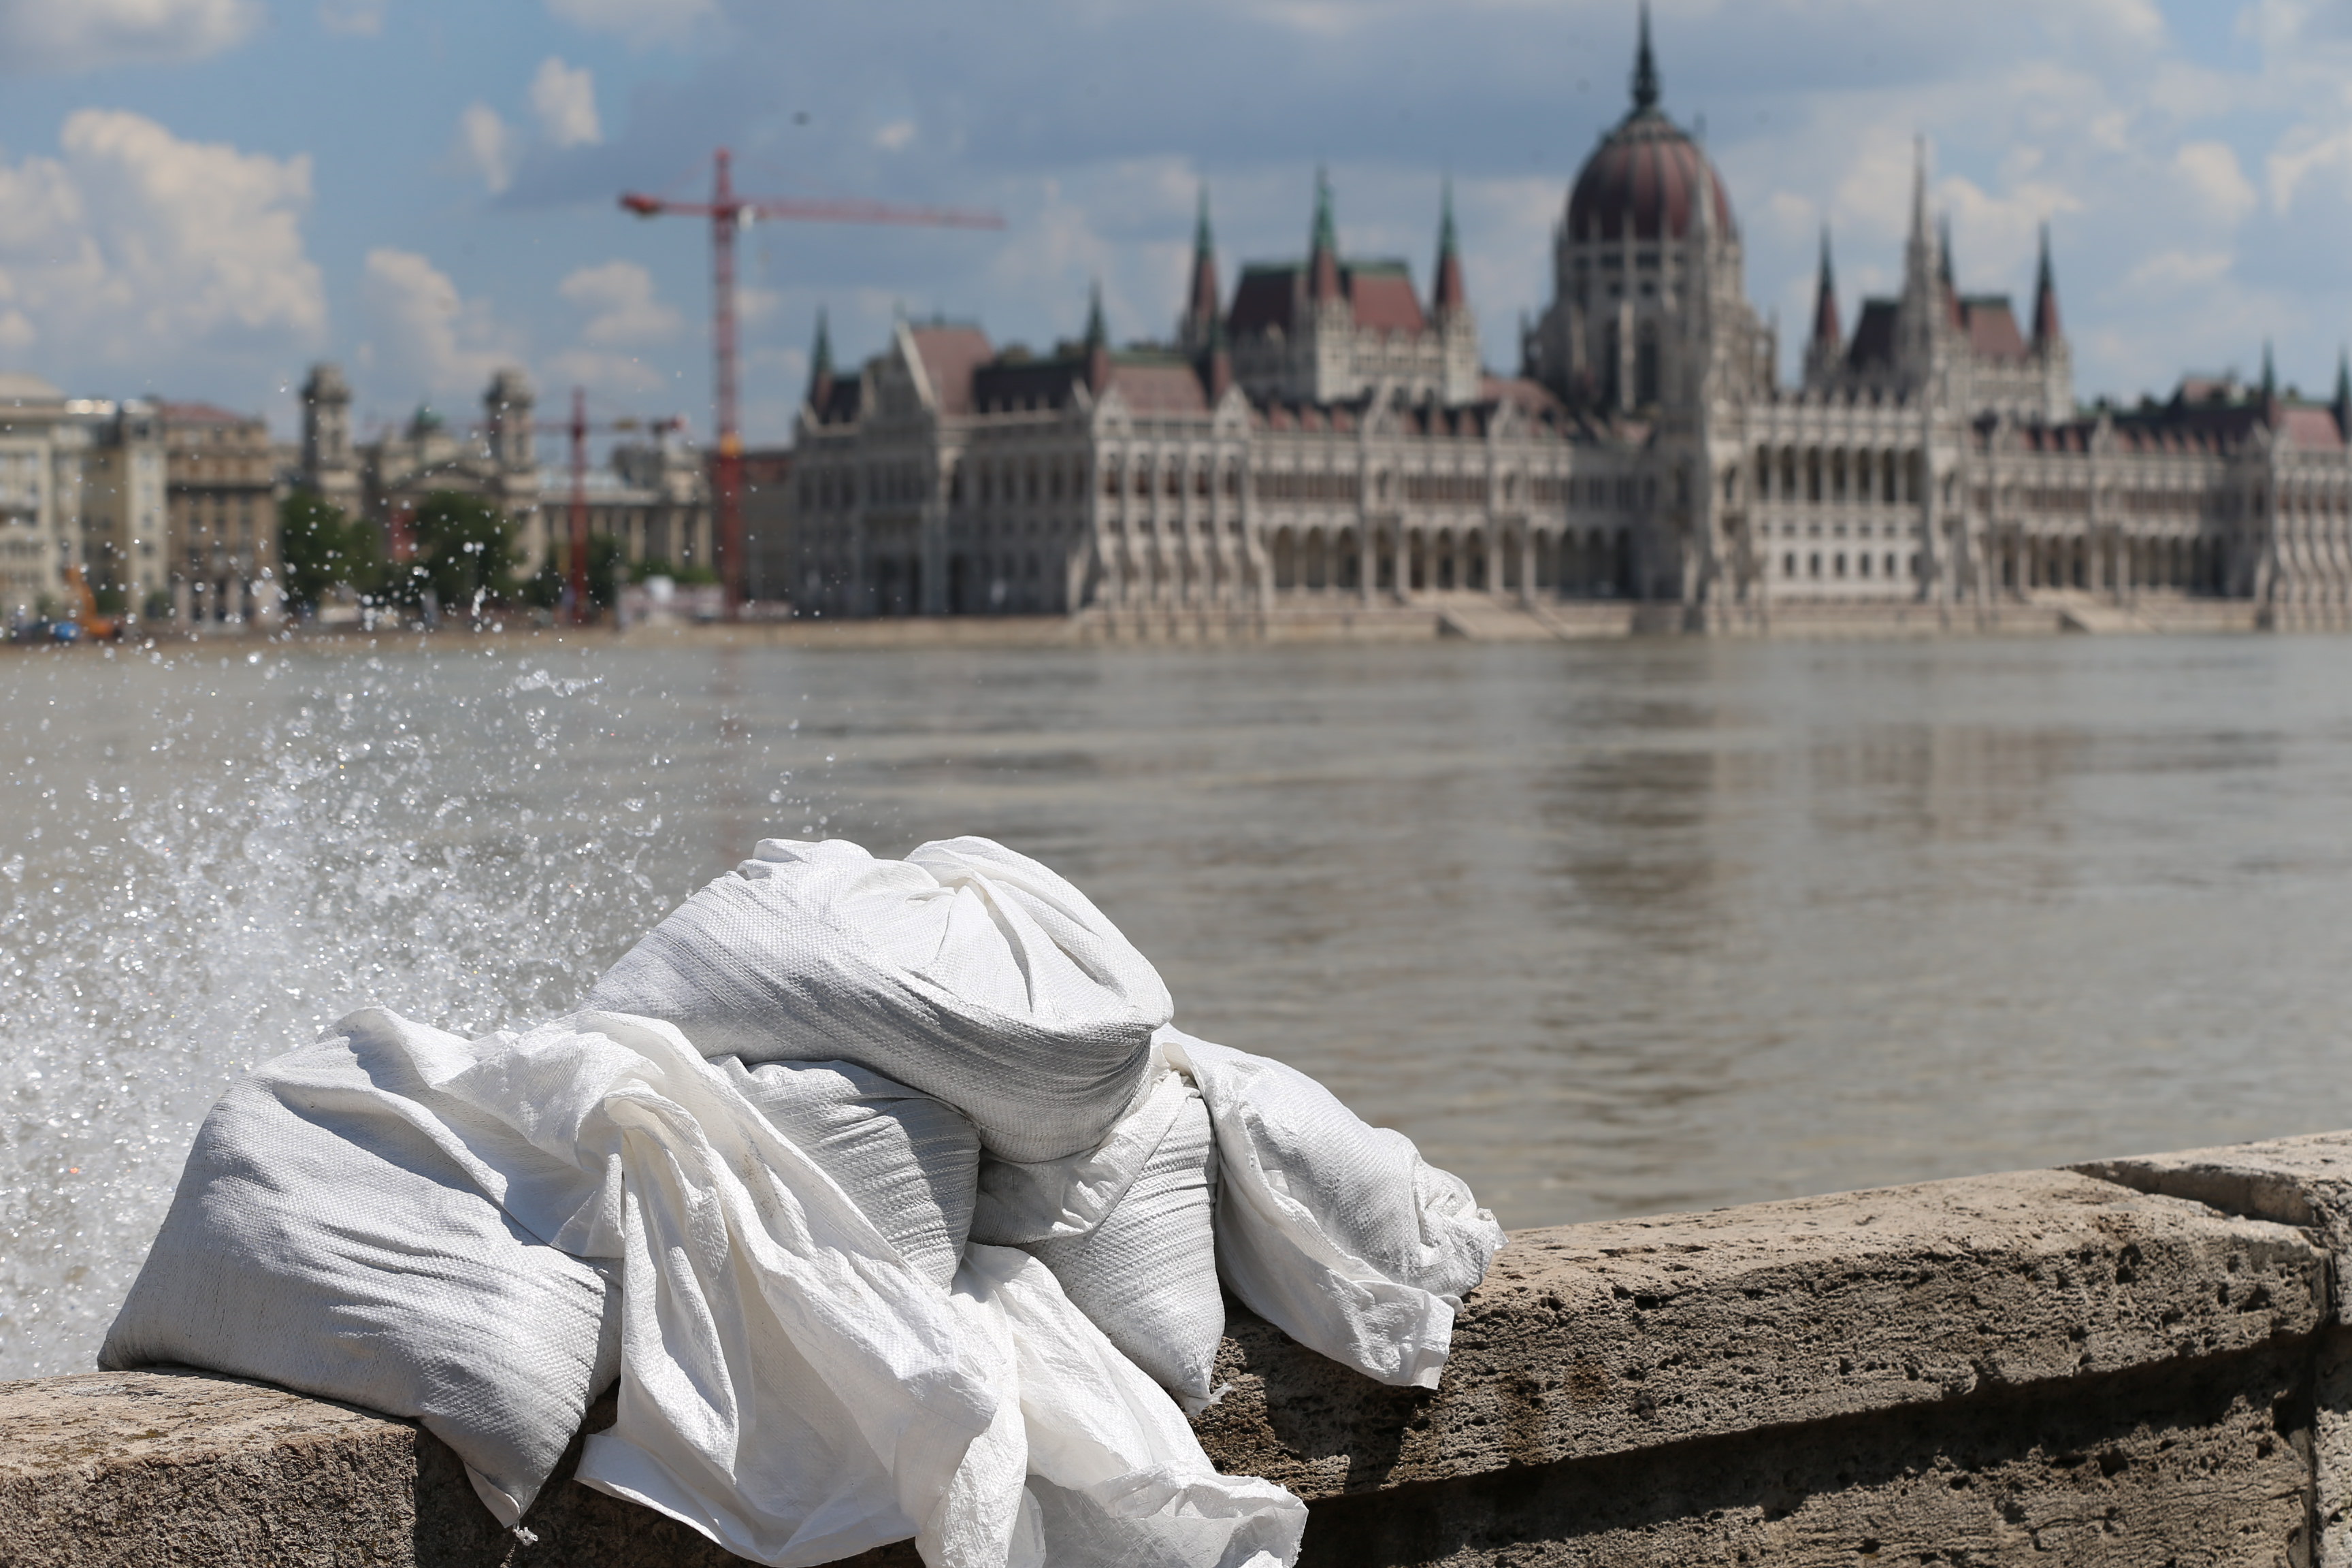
<point x="198" y="198"/>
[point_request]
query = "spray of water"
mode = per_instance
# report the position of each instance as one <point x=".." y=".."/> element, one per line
<point x="215" y="857"/>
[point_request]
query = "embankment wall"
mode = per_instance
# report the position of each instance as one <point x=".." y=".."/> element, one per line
<point x="2140" y="1361"/>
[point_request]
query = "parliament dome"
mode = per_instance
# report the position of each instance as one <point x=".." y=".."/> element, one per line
<point x="1647" y="175"/>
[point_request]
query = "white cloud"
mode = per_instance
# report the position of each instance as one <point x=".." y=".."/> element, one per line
<point x="136" y="249"/>
<point x="488" y="146"/>
<point x="63" y="36"/>
<point x="622" y="306"/>
<point x="564" y="99"/>
<point x="2305" y="153"/>
<point x="2213" y="177"/>
<point x="422" y="332"/>
<point x="638" y="21"/>
<point x="896" y="137"/>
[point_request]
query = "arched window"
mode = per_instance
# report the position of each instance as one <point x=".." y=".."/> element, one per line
<point x="1645" y="366"/>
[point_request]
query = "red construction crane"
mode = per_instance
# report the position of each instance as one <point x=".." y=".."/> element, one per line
<point x="726" y="212"/>
<point x="578" y="427"/>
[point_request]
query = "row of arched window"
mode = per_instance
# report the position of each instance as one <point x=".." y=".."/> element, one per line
<point x="1835" y="474"/>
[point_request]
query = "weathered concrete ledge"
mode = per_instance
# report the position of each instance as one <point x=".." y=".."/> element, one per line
<point x="2143" y="1362"/>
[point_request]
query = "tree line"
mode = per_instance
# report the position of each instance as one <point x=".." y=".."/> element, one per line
<point x="465" y="558"/>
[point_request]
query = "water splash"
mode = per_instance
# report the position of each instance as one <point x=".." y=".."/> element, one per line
<point x="221" y="858"/>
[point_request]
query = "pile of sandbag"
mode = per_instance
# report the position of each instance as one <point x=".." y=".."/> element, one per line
<point x="884" y="1189"/>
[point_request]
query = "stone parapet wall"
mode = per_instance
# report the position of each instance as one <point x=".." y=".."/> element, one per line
<point x="2142" y="1361"/>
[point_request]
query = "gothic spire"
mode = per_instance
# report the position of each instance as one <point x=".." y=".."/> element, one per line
<point x="1828" y="333"/>
<point x="2045" y="297"/>
<point x="1645" y="70"/>
<point x="1323" y="247"/>
<point x="820" y="386"/>
<point x="1918" y="189"/>
<point x="2269" y="375"/>
<point x="1201" y="308"/>
<point x="1446" y="291"/>
<point x="1098" y="336"/>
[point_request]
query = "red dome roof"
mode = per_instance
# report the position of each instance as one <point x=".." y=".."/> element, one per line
<point x="1646" y="174"/>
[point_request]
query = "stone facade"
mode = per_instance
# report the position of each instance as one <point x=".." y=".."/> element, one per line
<point x="652" y="493"/>
<point x="223" y="478"/>
<point x="1327" y="438"/>
<point x="81" y="490"/>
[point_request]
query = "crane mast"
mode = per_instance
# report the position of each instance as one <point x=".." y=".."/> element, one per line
<point x="728" y="212"/>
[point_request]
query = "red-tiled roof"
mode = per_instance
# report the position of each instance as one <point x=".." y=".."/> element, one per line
<point x="1158" y="386"/>
<point x="1383" y="299"/>
<point x="204" y="414"/>
<point x="1991" y="327"/>
<point x="950" y="356"/>
<point x="2310" y="425"/>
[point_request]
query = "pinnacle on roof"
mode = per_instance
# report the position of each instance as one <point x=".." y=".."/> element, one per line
<point x="1323" y="246"/>
<point x="2270" y="375"/>
<point x="1826" y="328"/>
<point x="2045" y="297"/>
<point x="1098" y="335"/>
<point x="2344" y="391"/>
<point x="1944" y="249"/>
<point x="1645" y="70"/>
<point x="1200" y="312"/>
<point x="1446" y="289"/>
<point x="1918" y="189"/>
<point x="821" y="359"/>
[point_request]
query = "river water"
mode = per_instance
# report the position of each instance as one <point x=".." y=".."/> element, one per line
<point x="1615" y="928"/>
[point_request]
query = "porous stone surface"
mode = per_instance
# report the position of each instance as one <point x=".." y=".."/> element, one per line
<point x="2304" y="1182"/>
<point x="2202" y="1465"/>
<point x="1783" y="1382"/>
<point x="1629" y="1334"/>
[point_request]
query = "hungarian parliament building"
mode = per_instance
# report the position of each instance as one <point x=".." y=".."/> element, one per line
<point x="1326" y="435"/>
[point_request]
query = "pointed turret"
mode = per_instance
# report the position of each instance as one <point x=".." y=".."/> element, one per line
<point x="1944" y="278"/>
<point x="1645" y="70"/>
<point x="1201" y="308"/>
<point x="1919" y="195"/>
<point x="820" y="386"/>
<point x="1098" y="341"/>
<point x="2344" y="393"/>
<point x="2045" y="299"/>
<point x="1323" y="245"/>
<point x="2270" y="375"/>
<point x="1825" y="350"/>
<point x="1446" y="292"/>
<point x="1828" y="333"/>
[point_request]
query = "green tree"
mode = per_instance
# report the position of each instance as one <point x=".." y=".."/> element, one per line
<point x="465" y="551"/>
<point x="318" y="547"/>
<point x="607" y="564"/>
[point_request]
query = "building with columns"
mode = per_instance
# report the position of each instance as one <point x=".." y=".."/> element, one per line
<point x="1325" y="437"/>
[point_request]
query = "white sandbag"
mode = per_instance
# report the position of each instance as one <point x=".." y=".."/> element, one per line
<point x="1334" y="1231"/>
<point x="911" y="1164"/>
<point x="1116" y="1474"/>
<point x="966" y="972"/>
<point x="790" y="1386"/>
<point x="326" y="1236"/>
<point x="1147" y="1274"/>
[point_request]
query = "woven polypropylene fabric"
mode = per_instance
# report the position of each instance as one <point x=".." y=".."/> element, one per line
<point x="967" y="972"/>
<point x="318" y="1243"/>
<point x="1148" y="1274"/>
<point x="909" y="1162"/>
<point x="1336" y="1232"/>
